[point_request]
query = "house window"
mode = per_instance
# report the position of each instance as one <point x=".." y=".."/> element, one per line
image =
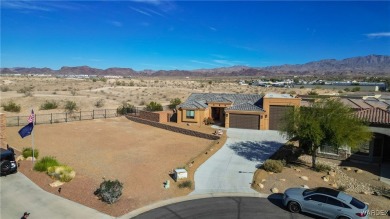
<point x="328" y="149"/>
<point x="190" y="114"/>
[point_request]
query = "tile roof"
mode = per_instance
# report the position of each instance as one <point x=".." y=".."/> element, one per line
<point x="377" y="104"/>
<point x="245" y="107"/>
<point x="360" y="103"/>
<point x="200" y="100"/>
<point x="374" y="116"/>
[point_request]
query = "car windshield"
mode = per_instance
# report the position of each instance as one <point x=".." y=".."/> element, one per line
<point x="308" y="192"/>
<point x="358" y="204"/>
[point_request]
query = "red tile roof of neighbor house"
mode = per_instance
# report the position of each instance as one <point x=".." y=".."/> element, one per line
<point x="374" y="115"/>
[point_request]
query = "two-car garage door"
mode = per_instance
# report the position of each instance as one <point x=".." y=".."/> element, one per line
<point x="244" y="121"/>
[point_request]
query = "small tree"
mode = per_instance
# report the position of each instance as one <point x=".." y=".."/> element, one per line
<point x="326" y="122"/>
<point x="174" y="103"/>
<point x="70" y="106"/>
<point x="125" y="108"/>
<point x="154" y="106"/>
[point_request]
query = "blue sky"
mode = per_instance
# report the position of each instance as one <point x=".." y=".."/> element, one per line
<point x="189" y="34"/>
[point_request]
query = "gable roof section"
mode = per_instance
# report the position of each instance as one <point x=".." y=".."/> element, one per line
<point x="245" y="107"/>
<point x="374" y="116"/>
<point x="200" y="100"/>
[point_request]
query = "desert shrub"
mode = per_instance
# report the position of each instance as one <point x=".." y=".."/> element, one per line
<point x="27" y="152"/>
<point x="62" y="173"/>
<point x="154" y="106"/>
<point x="185" y="184"/>
<point x="52" y="104"/>
<point x="131" y="84"/>
<point x="292" y="92"/>
<point x="125" y="108"/>
<point x="312" y="93"/>
<point x="27" y="91"/>
<point x="99" y="103"/>
<point x="320" y="167"/>
<point x="109" y="191"/>
<point x="44" y="163"/>
<point x="347" y="89"/>
<point x="4" y="88"/>
<point x="342" y="188"/>
<point x="275" y="166"/>
<point x="301" y="87"/>
<point x="174" y="103"/>
<point x="287" y="153"/>
<point x="355" y="89"/>
<point x="70" y="106"/>
<point x="11" y="106"/>
<point x="208" y="121"/>
<point x="73" y="92"/>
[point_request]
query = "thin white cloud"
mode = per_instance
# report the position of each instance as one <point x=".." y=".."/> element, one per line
<point x="204" y="63"/>
<point x="141" y="11"/>
<point x="116" y="23"/>
<point x="212" y="28"/>
<point x="378" y="35"/>
<point x="224" y="62"/>
<point x="154" y="12"/>
<point x="219" y="56"/>
<point x="23" y="5"/>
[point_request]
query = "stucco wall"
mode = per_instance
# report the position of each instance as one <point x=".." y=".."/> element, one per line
<point x="269" y="101"/>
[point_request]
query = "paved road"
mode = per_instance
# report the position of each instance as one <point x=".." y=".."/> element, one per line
<point x="18" y="194"/>
<point x="225" y="207"/>
<point x="231" y="168"/>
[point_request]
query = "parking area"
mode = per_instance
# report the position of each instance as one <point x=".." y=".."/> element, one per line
<point x="231" y="168"/>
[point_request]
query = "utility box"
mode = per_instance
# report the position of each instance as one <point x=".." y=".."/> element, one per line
<point x="180" y="174"/>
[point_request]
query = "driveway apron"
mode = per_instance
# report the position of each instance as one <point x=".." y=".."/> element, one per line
<point x="231" y="168"/>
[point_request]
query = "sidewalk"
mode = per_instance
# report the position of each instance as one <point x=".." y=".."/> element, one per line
<point x="19" y="194"/>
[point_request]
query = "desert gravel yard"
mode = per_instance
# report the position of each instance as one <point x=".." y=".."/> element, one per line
<point x="138" y="155"/>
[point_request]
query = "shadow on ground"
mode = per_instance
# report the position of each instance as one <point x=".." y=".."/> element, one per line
<point x="255" y="151"/>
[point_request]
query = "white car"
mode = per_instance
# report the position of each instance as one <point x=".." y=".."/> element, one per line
<point x="324" y="202"/>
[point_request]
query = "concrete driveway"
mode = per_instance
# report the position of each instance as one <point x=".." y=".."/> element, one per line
<point x="231" y="168"/>
<point x="19" y="194"/>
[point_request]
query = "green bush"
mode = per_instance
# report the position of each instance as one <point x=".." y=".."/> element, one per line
<point x="44" y="163"/>
<point x="109" y="191"/>
<point x="70" y="106"/>
<point x="52" y="104"/>
<point x="11" y="106"/>
<point x="62" y="173"/>
<point x="27" y="152"/>
<point x="154" y="106"/>
<point x="125" y="108"/>
<point x="174" y="103"/>
<point x="185" y="184"/>
<point x="27" y="91"/>
<point x="342" y="188"/>
<point x="275" y="166"/>
<point x="320" y="167"/>
<point x="355" y="89"/>
<point x="99" y="103"/>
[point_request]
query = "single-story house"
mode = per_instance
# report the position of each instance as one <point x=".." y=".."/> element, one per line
<point x="247" y="111"/>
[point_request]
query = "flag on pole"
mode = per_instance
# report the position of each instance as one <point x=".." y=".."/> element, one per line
<point x="27" y="130"/>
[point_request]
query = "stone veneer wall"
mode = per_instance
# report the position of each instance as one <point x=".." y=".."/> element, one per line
<point x="3" y="136"/>
<point x="151" y="116"/>
<point x="172" y="128"/>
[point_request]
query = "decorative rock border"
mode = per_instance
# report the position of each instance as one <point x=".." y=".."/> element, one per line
<point x="173" y="128"/>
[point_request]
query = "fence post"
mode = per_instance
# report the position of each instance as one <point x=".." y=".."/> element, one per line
<point x="80" y="115"/>
<point x="105" y="113"/>
<point x="93" y="114"/>
<point x="35" y="119"/>
<point x="51" y="118"/>
<point x="18" y="121"/>
<point x="66" y="117"/>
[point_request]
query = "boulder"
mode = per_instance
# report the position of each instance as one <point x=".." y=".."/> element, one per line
<point x="325" y="178"/>
<point x="359" y="171"/>
<point x="298" y="170"/>
<point x="56" y="183"/>
<point x="271" y="173"/>
<point x="19" y="158"/>
<point x="365" y="193"/>
<point x="283" y="180"/>
<point x="275" y="190"/>
<point x="304" y="178"/>
<point x="334" y="185"/>
<point x="29" y="158"/>
<point x="347" y="168"/>
<point x="305" y="186"/>
<point x="263" y="180"/>
<point x="332" y="173"/>
<point x="261" y="186"/>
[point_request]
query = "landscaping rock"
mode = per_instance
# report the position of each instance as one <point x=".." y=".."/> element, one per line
<point x="347" y="168"/>
<point x="359" y="171"/>
<point x="19" y="158"/>
<point x="376" y="193"/>
<point x="365" y="192"/>
<point x="271" y="173"/>
<point x="334" y="185"/>
<point x="29" y="158"/>
<point x="325" y="178"/>
<point x="283" y="180"/>
<point x="261" y="186"/>
<point x="298" y="170"/>
<point x="56" y="183"/>
<point x="305" y="186"/>
<point x="263" y="180"/>
<point x="275" y="190"/>
<point x="304" y="178"/>
<point x="332" y="173"/>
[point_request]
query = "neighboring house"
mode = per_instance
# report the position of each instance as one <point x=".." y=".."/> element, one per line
<point x="375" y="151"/>
<point x="248" y="111"/>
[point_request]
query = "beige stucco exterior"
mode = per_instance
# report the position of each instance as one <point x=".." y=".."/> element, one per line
<point x="272" y="101"/>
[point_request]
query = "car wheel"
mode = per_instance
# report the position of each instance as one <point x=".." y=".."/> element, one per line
<point x="5" y="167"/>
<point x="294" y="207"/>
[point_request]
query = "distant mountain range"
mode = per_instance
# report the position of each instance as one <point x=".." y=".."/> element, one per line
<point x="363" y="65"/>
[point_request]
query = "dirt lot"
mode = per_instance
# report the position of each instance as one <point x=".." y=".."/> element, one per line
<point x="138" y="155"/>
